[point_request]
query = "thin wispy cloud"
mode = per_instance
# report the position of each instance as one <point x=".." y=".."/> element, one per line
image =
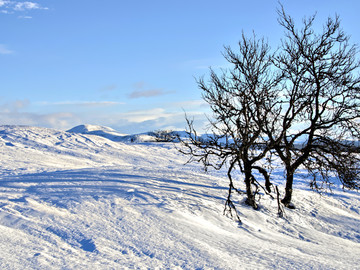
<point x="191" y="104"/>
<point x="148" y="93"/>
<point x="25" y="17"/>
<point x="82" y="103"/>
<point x="140" y="92"/>
<point x="5" y="50"/>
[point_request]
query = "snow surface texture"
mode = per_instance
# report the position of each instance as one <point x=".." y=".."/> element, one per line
<point x="75" y="201"/>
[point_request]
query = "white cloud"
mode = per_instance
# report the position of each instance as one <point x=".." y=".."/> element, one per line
<point x="14" y="113"/>
<point x="9" y="7"/>
<point x="145" y="115"/>
<point x="145" y="120"/>
<point x="4" y="50"/>
<point x="21" y="6"/>
<point x="61" y="120"/>
<point x="14" y="106"/>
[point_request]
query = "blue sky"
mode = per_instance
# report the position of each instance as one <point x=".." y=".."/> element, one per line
<point x="129" y="65"/>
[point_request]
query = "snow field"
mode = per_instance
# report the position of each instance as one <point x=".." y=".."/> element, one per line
<point x="75" y="201"/>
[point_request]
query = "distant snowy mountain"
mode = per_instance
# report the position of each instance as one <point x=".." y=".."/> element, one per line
<point x="102" y="131"/>
<point x="70" y="200"/>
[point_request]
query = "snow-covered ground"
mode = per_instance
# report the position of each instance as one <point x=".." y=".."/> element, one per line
<point x="82" y="201"/>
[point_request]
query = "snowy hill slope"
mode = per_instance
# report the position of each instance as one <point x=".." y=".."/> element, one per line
<point x="75" y="201"/>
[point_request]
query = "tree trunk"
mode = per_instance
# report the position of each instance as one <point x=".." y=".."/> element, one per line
<point x="288" y="189"/>
<point x="250" y="195"/>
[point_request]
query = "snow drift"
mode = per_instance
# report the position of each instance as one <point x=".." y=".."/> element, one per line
<point x="70" y="200"/>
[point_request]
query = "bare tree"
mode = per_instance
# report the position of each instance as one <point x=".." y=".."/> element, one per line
<point x="240" y="99"/>
<point x="301" y="103"/>
<point x="317" y="120"/>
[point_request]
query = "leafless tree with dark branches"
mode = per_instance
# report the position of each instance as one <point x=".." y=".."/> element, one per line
<point x="301" y="103"/>
<point x="240" y="100"/>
